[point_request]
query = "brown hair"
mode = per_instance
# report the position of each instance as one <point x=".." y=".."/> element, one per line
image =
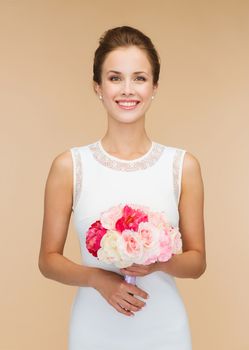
<point x="124" y="36"/>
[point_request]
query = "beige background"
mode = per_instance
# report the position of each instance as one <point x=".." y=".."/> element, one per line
<point x="47" y="106"/>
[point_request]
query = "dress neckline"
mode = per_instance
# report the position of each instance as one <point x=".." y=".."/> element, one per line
<point x="115" y="163"/>
<point x="99" y="143"/>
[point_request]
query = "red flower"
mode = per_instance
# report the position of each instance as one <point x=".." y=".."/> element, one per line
<point x="94" y="236"/>
<point x="131" y="219"/>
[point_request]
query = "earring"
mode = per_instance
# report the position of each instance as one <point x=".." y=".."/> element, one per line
<point x="100" y="97"/>
<point x="152" y="97"/>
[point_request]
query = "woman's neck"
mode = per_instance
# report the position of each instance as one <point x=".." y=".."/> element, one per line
<point x="126" y="145"/>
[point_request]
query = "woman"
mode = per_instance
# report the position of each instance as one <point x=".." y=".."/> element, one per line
<point x="124" y="166"/>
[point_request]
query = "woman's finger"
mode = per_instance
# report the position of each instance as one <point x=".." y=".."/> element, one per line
<point x="122" y="310"/>
<point x="128" y="306"/>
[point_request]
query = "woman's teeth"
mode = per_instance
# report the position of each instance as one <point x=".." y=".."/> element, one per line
<point x="127" y="104"/>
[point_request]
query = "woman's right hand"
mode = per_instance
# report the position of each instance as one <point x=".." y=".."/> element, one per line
<point x="117" y="292"/>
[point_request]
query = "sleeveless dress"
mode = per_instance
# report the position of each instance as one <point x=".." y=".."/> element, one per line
<point x="100" y="182"/>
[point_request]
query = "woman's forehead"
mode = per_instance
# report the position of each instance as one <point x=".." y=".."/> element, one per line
<point x="126" y="59"/>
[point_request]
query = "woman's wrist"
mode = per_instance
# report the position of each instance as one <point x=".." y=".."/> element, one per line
<point x="160" y="266"/>
<point x="157" y="266"/>
<point x="94" y="277"/>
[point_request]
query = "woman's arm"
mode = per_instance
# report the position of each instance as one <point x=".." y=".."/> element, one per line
<point x="57" y="212"/>
<point x="192" y="262"/>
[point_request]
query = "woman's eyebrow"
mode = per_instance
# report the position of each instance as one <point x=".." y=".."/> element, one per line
<point x="116" y="72"/>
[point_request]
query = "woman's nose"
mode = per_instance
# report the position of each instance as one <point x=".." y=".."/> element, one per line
<point x="127" y="87"/>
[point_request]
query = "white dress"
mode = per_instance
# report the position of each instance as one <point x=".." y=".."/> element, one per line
<point x="100" y="182"/>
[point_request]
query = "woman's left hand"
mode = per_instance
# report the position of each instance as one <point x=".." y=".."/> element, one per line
<point x="139" y="270"/>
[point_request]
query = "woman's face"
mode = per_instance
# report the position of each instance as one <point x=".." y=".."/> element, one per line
<point x="127" y="84"/>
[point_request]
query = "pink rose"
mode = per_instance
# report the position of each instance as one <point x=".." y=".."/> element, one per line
<point x="165" y="244"/>
<point x="149" y="234"/>
<point x="159" y="220"/>
<point x="94" y="236"/>
<point x="165" y="253"/>
<point x="130" y="246"/>
<point x="109" y="217"/>
<point x="131" y="219"/>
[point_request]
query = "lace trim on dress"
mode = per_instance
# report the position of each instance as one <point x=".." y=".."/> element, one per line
<point x="78" y="176"/>
<point x="127" y="165"/>
<point x="176" y="173"/>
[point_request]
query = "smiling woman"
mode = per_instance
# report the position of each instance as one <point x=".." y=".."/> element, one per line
<point x="124" y="167"/>
<point x="126" y="84"/>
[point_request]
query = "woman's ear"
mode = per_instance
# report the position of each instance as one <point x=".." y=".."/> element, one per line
<point x="155" y="87"/>
<point x="97" y="88"/>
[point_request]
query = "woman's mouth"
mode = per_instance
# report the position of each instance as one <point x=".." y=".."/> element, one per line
<point x="127" y="104"/>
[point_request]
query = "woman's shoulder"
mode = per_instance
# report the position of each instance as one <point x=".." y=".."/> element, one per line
<point x="191" y="170"/>
<point x="64" y="161"/>
<point x="190" y="162"/>
<point x="61" y="166"/>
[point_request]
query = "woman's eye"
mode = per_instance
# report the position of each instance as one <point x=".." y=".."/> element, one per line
<point x="141" y="78"/>
<point x="114" y="78"/>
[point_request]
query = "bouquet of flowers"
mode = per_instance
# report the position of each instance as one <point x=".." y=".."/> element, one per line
<point x="130" y="233"/>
